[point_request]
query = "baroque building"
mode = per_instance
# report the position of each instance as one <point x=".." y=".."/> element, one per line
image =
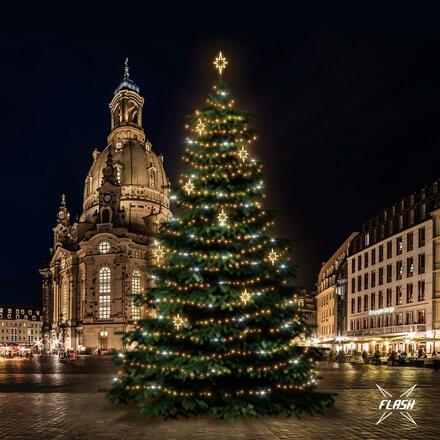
<point x="99" y="263"/>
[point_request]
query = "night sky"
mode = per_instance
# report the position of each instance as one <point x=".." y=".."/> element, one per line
<point x="346" y="103"/>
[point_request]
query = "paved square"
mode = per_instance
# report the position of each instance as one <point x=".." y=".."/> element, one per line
<point x="53" y="401"/>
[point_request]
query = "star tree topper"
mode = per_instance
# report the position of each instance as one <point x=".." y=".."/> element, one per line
<point x="220" y="63"/>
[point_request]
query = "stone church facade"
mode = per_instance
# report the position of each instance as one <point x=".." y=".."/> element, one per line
<point x="99" y="263"/>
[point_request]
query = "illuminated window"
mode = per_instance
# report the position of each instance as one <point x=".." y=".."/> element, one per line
<point x="64" y="302"/>
<point x="104" y="292"/>
<point x="152" y="177"/>
<point x="135" y="290"/>
<point x="104" y="247"/>
<point x="118" y="173"/>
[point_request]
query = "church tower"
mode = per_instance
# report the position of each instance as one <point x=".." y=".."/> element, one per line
<point x="100" y="263"/>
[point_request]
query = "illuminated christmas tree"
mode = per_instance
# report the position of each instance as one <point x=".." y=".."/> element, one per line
<point x="228" y="338"/>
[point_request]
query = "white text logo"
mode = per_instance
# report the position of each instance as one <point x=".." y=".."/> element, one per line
<point x="403" y="404"/>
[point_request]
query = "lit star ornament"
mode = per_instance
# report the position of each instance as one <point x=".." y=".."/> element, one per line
<point x="243" y="154"/>
<point x="273" y="256"/>
<point x="222" y="217"/>
<point x="220" y="63"/>
<point x="245" y="297"/>
<point x="159" y="253"/>
<point x="178" y="321"/>
<point x="189" y="187"/>
<point x="200" y="128"/>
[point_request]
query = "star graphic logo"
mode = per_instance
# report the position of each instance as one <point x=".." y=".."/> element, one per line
<point x="403" y="404"/>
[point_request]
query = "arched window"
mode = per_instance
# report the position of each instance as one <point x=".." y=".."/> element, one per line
<point x="104" y="292"/>
<point x="118" y="173"/>
<point x="132" y="112"/>
<point x="116" y="116"/>
<point x="152" y="177"/>
<point x="104" y="247"/>
<point x="135" y="290"/>
<point x="105" y="215"/>
<point x="64" y="302"/>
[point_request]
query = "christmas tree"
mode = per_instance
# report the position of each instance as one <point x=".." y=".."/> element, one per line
<point x="228" y="337"/>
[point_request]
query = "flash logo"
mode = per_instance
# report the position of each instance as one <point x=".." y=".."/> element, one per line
<point x="401" y="404"/>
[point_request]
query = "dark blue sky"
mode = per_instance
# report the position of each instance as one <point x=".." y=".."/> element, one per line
<point x="346" y="101"/>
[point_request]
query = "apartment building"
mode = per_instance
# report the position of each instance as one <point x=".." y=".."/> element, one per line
<point x="394" y="279"/>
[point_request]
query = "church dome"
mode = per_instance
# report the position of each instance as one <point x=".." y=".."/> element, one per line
<point x="141" y="174"/>
<point x="139" y="171"/>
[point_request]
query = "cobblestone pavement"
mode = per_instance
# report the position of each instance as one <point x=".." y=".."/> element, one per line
<point x="50" y="401"/>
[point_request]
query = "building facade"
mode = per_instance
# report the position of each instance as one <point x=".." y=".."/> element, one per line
<point x="331" y="297"/>
<point x="20" y="325"/>
<point x="306" y="304"/>
<point x="394" y="278"/>
<point x="99" y="263"/>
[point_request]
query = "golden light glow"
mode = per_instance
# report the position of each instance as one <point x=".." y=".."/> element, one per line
<point x="273" y="256"/>
<point x="243" y="154"/>
<point x="178" y="321"/>
<point x="220" y="63"/>
<point x="245" y="297"/>
<point x="222" y="217"/>
<point x="189" y="187"/>
<point x="200" y="128"/>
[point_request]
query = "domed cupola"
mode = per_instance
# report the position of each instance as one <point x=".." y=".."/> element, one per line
<point x="127" y="83"/>
<point x="139" y="171"/>
<point x="126" y="111"/>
